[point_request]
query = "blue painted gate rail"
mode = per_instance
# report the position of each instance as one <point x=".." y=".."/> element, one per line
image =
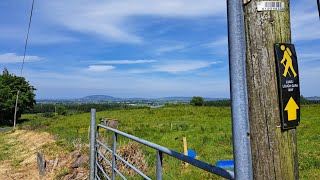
<point x="95" y="153"/>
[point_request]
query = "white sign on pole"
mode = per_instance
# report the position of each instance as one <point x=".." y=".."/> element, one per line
<point x="270" y="6"/>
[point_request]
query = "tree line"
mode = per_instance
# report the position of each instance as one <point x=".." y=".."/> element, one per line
<point x="199" y="101"/>
<point x="50" y="109"/>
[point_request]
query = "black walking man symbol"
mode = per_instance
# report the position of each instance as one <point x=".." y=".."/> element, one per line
<point x="288" y="65"/>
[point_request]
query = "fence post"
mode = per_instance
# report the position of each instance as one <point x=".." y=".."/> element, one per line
<point x="159" y="166"/>
<point x="92" y="144"/>
<point x="114" y="149"/>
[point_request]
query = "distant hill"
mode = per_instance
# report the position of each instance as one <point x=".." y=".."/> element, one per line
<point x="184" y="99"/>
<point x="313" y="98"/>
<point x="174" y="99"/>
<point x="98" y="98"/>
<point x="106" y="98"/>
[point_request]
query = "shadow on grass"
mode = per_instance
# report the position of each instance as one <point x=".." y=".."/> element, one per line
<point x="10" y="123"/>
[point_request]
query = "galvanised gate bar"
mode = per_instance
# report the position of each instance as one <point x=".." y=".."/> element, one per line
<point x="95" y="143"/>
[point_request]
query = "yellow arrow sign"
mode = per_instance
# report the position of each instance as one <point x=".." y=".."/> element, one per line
<point x="291" y="108"/>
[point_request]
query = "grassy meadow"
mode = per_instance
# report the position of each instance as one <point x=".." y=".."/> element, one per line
<point x="207" y="129"/>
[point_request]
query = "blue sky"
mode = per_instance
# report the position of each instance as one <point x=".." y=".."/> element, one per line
<point x="141" y="48"/>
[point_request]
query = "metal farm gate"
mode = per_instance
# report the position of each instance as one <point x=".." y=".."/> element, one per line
<point x="95" y="153"/>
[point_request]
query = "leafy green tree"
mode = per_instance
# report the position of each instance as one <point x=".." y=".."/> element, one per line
<point x="9" y="86"/>
<point x="62" y="110"/>
<point x="197" y="101"/>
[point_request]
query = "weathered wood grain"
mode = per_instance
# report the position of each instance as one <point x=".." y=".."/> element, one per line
<point x="274" y="151"/>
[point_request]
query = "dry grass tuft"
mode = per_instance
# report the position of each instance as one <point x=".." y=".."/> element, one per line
<point x="20" y="161"/>
<point x="132" y="153"/>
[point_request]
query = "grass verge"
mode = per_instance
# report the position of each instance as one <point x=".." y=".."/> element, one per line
<point x="208" y="132"/>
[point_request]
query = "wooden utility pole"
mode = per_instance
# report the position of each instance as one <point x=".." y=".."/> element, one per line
<point x="15" y="110"/>
<point x="274" y="151"/>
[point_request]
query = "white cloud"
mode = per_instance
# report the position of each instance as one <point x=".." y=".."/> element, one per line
<point x="175" y="67"/>
<point x="111" y="19"/>
<point x="99" y="68"/>
<point x="14" y="58"/>
<point x="127" y="61"/>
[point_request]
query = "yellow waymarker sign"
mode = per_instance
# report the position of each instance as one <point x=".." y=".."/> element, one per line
<point x="287" y="58"/>
<point x="291" y="108"/>
<point x="288" y="84"/>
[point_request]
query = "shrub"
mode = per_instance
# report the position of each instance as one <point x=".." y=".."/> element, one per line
<point x="197" y="101"/>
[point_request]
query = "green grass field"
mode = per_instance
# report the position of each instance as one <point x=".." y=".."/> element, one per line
<point x="208" y="132"/>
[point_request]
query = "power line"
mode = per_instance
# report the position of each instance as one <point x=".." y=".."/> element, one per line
<point x="27" y="38"/>
<point x="24" y="56"/>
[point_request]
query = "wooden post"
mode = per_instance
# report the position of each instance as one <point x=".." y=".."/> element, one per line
<point x="185" y="147"/>
<point x="274" y="152"/>
<point x="41" y="164"/>
<point x="16" y="109"/>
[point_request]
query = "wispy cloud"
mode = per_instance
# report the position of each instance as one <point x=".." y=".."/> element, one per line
<point x="166" y="49"/>
<point x="37" y="35"/>
<point x="99" y="68"/>
<point x="178" y="67"/>
<point x="111" y="19"/>
<point x="309" y="54"/>
<point x="315" y="56"/>
<point x="126" y="61"/>
<point x="39" y="38"/>
<point x="218" y="46"/>
<point x="220" y="42"/>
<point x="14" y="58"/>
